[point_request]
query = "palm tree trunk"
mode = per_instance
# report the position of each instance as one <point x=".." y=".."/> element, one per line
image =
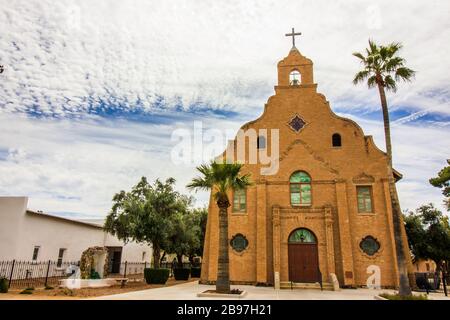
<point x="404" y="287"/>
<point x="223" y="274"/>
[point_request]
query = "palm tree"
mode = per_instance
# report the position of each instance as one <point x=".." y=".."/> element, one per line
<point x="383" y="68"/>
<point x="221" y="178"/>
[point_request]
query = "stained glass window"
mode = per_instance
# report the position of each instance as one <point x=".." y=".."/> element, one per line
<point x="364" y="198"/>
<point x="296" y="123"/>
<point x="239" y="242"/>
<point x="240" y="200"/>
<point x="369" y="245"/>
<point x="302" y="236"/>
<point x="300" y="188"/>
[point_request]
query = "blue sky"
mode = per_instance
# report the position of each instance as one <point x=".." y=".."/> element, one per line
<point x="93" y="90"/>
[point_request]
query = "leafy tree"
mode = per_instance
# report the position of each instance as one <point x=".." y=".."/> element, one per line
<point x="382" y="68"/>
<point x="220" y="178"/>
<point x="185" y="235"/>
<point x="429" y="236"/>
<point x="145" y="213"/>
<point x="199" y="218"/>
<point x="443" y="181"/>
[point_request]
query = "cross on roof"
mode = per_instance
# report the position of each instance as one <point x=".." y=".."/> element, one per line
<point x="293" y="34"/>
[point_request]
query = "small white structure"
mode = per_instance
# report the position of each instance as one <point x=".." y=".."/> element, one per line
<point x="36" y="236"/>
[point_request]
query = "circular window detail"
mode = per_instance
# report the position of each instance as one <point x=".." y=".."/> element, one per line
<point x="239" y="242"/>
<point x="369" y="245"/>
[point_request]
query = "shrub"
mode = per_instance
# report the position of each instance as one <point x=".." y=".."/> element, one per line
<point x="196" y="272"/>
<point x="49" y="288"/>
<point x="30" y="288"/>
<point x="3" y="285"/>
<point x="181" y="273"/>
<point x="94" y="274"/>
<point x="396" y="296"/>
<point x="156" y="276"/>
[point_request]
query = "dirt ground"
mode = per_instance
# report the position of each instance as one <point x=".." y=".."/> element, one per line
<point x="64" y="293"/>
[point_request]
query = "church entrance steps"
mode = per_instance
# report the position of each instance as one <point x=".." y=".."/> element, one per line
<point x="297" y="285"/>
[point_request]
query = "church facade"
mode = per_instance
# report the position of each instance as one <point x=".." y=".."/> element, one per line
<point x="325" y="214"/>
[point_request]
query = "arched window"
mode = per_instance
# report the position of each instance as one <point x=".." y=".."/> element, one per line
<point x="336" y="140"/>
<point x="300" y="188"/>
<point x="302" y="236"/>
<point x="294" y="78"/>
<point x="261" y="142"/>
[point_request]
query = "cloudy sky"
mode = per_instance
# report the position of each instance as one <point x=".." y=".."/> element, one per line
<point x="92" y="91"/>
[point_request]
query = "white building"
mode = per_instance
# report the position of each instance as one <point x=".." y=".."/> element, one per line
<point x="36" y="236"/>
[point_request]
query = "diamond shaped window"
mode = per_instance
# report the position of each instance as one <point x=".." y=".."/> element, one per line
<point x="296" y="123"/>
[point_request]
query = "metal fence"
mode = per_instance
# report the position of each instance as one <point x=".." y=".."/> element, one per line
<point x="25" y="274"/>
<point x="135" y="270"/>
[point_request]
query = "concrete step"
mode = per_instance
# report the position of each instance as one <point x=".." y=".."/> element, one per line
<point x="297" y="285"/>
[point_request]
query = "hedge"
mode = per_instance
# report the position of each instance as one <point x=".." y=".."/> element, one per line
<point x="156" y="276"/>
<point x="3" y="285"/>
<point x="195" y="272"/>
<point x="181" y="273"/>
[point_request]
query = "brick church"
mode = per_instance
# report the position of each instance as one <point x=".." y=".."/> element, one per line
<point x="325" y="214"/>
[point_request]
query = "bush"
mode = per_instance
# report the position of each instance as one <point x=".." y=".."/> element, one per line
<point x="3" y="285"/>
<point x="94" y="274"/>
<point x="196" y="272"/>
<point x="156" y="276"/>
<point x="181" y="273"/>
<point x="49" y="288"/>
<point x="396" y="296"/>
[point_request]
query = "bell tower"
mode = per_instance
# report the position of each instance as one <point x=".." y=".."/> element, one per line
<point x="295" y="70"/>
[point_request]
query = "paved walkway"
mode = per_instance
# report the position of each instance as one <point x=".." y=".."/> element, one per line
<point x="188" y="291"/>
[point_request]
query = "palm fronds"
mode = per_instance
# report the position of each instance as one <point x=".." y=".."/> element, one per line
<point x="382" y="66"/>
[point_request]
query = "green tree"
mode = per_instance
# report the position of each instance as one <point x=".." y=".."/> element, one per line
<point x="429" y="236"/>
<point x="443" y="181"/>
<point x="145" y="213"/>
<point x="185" y="235"/>
<point x="383" y="68"/>
<point x="220" y="178"/>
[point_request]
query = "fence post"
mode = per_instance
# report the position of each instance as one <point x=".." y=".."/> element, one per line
<point x="11" y="274"/>
<point x="46" y="275"/>
<point x="125" y="271"/>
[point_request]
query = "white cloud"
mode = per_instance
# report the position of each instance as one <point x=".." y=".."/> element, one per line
<point x="223" y="53"/>
<point x="418" y="153"/>
<point x="77" y="166"/>
<point x="63" y="55"/>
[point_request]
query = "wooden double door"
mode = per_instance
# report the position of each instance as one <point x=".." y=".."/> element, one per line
<point x="303" y="262"/>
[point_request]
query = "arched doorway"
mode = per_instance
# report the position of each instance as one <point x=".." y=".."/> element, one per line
<point x="303" y="256"/>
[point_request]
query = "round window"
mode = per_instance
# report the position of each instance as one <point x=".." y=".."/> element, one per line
<point x="239" y="242"/>
<point x="369" y="245"/>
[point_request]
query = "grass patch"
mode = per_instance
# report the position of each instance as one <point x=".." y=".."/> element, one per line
<point x="396" y="296"/>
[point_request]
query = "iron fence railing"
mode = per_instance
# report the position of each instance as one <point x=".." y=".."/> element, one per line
<point x="25" y="274"/>
<point x="136" y="269"/>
